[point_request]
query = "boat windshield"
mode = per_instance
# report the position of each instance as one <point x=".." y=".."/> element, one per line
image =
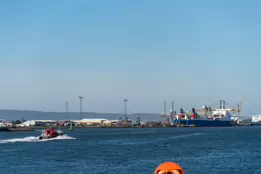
<point x="42" y="132"/>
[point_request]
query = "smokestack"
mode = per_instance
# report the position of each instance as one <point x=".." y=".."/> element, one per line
<point x="224" y="104"/>
<point x="220" y="104"/>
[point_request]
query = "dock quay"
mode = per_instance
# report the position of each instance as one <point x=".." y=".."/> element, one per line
<point x="16" y="129"/>
<point x="32" y="125"/>
<point x="115" y="127"/>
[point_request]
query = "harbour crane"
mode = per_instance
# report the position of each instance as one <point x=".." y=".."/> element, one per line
<point x="206" y="111"/>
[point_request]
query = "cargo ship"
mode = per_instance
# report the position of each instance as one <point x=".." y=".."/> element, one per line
<point x="219" y="117"/>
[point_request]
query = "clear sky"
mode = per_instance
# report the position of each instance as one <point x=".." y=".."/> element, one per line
<point x="192" y="52"/>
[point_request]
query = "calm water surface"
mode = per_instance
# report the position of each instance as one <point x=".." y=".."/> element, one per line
<point x="197" y="150"/>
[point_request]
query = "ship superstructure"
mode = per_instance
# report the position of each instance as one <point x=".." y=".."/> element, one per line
<point x="256" y="119"/>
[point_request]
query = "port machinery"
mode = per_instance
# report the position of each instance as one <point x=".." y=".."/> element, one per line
<point x="204" y="111"/>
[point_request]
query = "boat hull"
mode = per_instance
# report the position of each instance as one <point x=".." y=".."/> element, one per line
<point x="256" y="124"/>
<point x="49" y="137"/>
<point x="206" y="123"/>
<point x="41" y="137"/>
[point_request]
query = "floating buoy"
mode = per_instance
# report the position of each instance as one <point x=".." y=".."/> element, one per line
<point x="169" y="168"/>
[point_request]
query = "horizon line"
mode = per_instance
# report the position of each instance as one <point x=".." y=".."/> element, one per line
<point x="74" y="112"/>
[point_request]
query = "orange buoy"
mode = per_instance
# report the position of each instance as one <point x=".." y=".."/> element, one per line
<point x="169" y="168"/>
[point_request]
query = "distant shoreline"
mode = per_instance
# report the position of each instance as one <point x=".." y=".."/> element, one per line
<point x="74" y="112"/>
<point x="10" y="115"/>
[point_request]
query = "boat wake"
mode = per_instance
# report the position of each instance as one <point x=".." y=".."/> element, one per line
<point x="36" y="139"/>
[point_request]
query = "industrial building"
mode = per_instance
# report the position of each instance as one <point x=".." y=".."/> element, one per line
<point x="85" y="121"/>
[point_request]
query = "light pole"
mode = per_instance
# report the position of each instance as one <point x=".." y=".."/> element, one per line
<point x="125" y="101"/>
<point x="66" y="108"/>
<point x="80" y="97"/>
<point x="172" y="111"/>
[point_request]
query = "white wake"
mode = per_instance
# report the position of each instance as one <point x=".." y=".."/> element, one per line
<point x="36" y="139"/>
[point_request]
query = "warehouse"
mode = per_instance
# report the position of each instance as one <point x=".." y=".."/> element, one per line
<point x="91" y="121"/>
<point x="39" y="123"/>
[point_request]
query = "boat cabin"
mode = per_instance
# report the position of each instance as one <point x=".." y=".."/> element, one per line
<point x="49" y="132"/>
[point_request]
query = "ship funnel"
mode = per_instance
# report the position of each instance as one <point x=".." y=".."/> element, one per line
<point x="224" y="104"/>
<point x="221" y="104"/>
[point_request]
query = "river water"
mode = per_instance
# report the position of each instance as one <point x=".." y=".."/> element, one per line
<point x="129" y="151"/>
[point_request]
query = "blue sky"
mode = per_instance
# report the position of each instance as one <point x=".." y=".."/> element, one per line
<point x="192" y="52"/>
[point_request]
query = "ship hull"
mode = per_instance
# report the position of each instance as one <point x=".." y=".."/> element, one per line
<point x="206" y="123"/>
<point x="49" y="137"/>
<point x="256" y="124"/>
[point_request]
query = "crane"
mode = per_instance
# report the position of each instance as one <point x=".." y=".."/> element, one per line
<point x="206" y="111"/>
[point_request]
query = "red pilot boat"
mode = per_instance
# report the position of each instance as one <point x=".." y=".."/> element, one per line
<point x="50" y="133"/>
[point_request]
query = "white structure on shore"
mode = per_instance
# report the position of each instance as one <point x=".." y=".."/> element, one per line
<point x="93" y="121"/>
<point x="256" y="118"/>
<point x="85" y="121"/>
<point x="37" y="122"/>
